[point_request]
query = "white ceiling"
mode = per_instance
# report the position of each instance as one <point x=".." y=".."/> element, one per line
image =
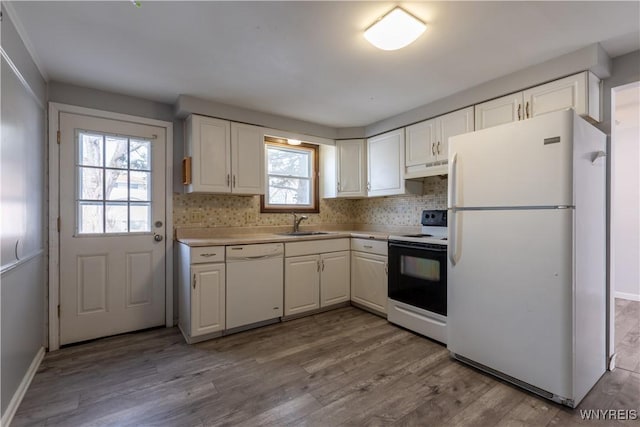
<point x="309" y="60"/>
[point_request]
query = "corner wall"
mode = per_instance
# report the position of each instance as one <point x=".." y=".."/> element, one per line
<point x="22" y="232"/>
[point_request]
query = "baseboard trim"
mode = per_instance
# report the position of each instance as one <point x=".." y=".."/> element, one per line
<point x="7" y="417"/>
<point x="628" y="296"/>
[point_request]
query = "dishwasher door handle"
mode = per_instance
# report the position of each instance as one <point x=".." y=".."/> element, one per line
<point x="252" y="258"/>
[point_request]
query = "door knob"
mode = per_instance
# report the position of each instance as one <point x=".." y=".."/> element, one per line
<point x="157" y="237"/>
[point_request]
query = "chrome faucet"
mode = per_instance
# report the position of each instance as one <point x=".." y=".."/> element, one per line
<point x="297" y="220"/>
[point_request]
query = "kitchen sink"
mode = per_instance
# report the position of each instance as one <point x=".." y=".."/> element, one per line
<point x="303" y="233"/>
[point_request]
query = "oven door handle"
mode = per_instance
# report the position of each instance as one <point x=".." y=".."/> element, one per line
<point x="398" y="245"/>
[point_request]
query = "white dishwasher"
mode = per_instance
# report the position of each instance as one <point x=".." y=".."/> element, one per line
<point x="255" y="284"/>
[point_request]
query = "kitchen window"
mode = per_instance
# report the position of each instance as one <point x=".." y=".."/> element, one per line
<point x="292" y="177"/>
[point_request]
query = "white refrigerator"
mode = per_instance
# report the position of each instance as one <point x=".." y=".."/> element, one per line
<point x="526" y="271"/>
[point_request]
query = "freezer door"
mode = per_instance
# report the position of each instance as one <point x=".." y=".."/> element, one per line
<point x="526" y="163"/>
<point x="510" y="294"/>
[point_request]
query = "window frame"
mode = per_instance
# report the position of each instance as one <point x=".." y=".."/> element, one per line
<point x="313" y="176"/>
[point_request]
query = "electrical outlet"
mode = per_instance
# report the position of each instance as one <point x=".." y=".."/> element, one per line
<point x="195" y="216"/>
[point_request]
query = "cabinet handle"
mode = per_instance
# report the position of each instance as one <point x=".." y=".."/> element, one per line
<point x="526" y="109"/>
<point x="207" y="255"/>
<point x="186" y="171"/>
<point x="322" y="265"/>
<point x="368" y="247"/>
<point x="234" y="180"/>
<point x="519" y="111"/>
<point x="386" y="268"/>
<point x="228" y="179"/>
<point x="318" y="266"/>
<point x="438" y="147"/>
<point x="433" y="148"/>
<point x="368" y="186"/>
<point x="194" y="281"/>
<point x="338" y="186"/>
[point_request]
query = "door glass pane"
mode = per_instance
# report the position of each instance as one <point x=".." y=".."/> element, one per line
<point x="116" y="152"/>
<point x="139" y="188"/>
<point x="90" y="150"/>
<point x="90" y="182"/>
<point x="283" y="161"/>
<point x="140" y="154"/>
<point x="116" y="184"/>
<point x="140" y="217"/>
<point x="116" y="218"/>
<point x="288" y="191"/>
<point x="90" y="218"/>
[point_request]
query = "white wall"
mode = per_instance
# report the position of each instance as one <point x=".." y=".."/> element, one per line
<point x="625" y="178"/>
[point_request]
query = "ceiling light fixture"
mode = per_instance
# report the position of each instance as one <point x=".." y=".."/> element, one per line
<point x="395" y="30"/>
<point x="293" y="141"/>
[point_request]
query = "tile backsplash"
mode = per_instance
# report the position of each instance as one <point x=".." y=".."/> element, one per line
<point x="218" y="210"/>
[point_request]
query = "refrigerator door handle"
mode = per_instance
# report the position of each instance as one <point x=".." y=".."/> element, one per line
<point x="453" y="237"/>
<point x="453" y="169"/>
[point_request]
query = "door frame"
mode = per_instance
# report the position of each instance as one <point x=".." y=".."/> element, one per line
<point x="611" y="290"/>
<point x="54" y="209"/>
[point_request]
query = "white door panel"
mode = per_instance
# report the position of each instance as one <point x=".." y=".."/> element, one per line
<point x="517" y="164"/>
<point x="301" y="284"/>
<point x="510" y="293"/>
<point x="452" y="124"/>
<point x="420" y="143"/>
<point x="335" y="278"/>
<point x="247" y="154"/>
<point x="499" y="111"/>
<point x="112" y="204"/>
<point x="558" y="95"/>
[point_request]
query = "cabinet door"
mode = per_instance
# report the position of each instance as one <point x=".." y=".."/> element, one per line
<point x="247" y="159"/>
<point x="452" y="124"/>
<point x="351" y="168"/>
<point x="385" y="155"/>
<point x="209" y="147"/>
<point x="334" y="278"/>
<point x="420" y="144"/>
<point x="301" y="284"/>
<point x="207" y="298"/>
<point x="570" y="92"/>
<point x="499" y="111"/>
<point x="369" y="280"/>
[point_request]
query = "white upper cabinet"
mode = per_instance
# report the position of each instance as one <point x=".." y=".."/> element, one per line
<point x="208" y="151"/>
<point x="580" y="92"/>
<point x="247" y="159"/>
<point x="420" y="143"/>
<point x="385" y="154"/>
<point x="351" y="164"/>
<point x="223" y="157"/>
<point x="427" y="143"/>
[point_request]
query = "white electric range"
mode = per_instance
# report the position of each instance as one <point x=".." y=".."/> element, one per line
<point x="418" y="278"/>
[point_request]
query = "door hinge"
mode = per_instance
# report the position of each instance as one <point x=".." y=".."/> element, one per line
<point x="58" y="137"/>
<point x="58" y="224"/>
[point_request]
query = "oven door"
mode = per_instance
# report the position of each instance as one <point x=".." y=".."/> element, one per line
<point x="418" y="275"/>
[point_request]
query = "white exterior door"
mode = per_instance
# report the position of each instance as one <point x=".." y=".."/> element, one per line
<point x="112" y="217"/>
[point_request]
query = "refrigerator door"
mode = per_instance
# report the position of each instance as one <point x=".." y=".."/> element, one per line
<point x="510" y="293"/>
<point x="525" y="163"/>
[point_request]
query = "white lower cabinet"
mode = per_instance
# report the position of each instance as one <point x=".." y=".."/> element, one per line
<point x="315" y="280"/>
<point x="207" y="298"/>
<point x="369" y="269"/>
<point x="201" y="291"/>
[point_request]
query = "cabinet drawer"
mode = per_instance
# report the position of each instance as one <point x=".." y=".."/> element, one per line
<point x="311" y="247"/>
<point x="204" y="254"/>
<point x="370" y="246"/>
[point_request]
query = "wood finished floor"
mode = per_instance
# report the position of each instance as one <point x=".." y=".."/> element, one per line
<point x="344" y="367"/>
